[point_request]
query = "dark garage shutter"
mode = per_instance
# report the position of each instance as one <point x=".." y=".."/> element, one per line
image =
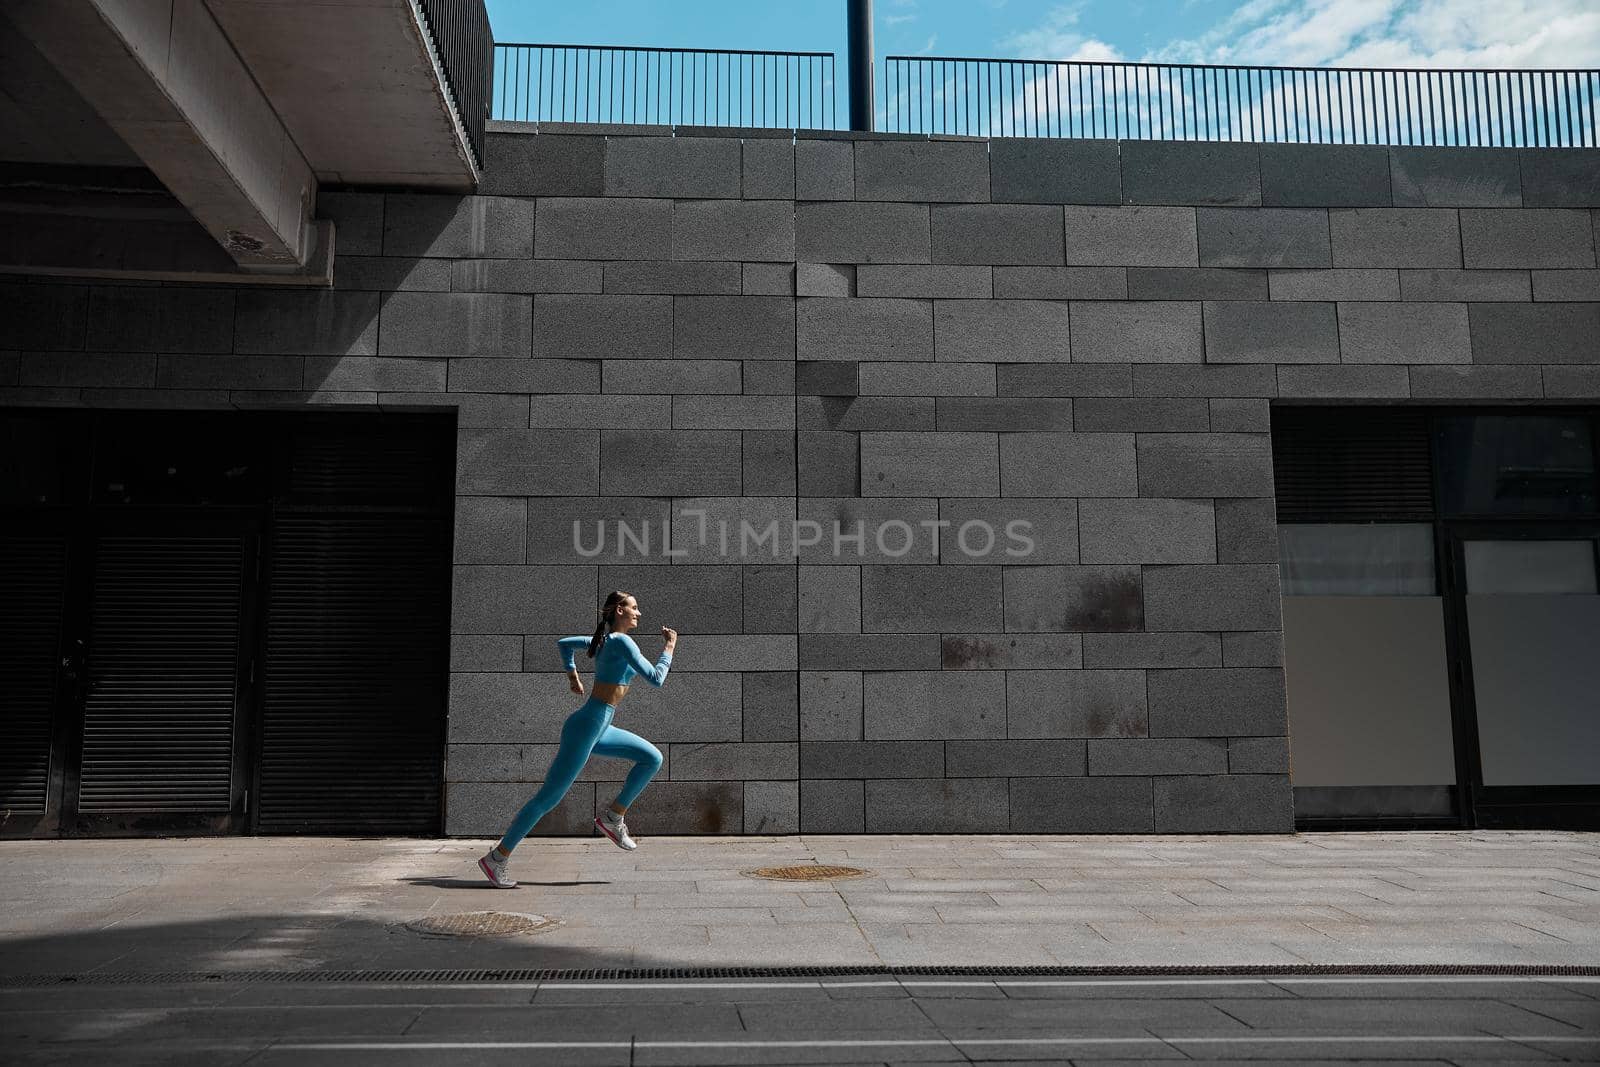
<point x="32" y="577"/>
<point x="1346" y="464"/>
<point x="352" y="737"/>
<point x="163" y="665"/>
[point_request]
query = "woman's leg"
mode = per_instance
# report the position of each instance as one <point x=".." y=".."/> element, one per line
<point x="646" y="762"/>
<point x="578" y="736"/>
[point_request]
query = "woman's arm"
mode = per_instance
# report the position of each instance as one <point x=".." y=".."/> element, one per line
<point x="654" y="674"/>
<point x="569" y="648"/>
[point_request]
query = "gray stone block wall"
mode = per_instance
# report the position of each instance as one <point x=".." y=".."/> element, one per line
<point x="856" y="355"/>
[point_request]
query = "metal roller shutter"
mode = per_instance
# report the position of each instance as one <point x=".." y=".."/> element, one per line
<point x="1351" y="464"/>
<point x="33" y="572"/>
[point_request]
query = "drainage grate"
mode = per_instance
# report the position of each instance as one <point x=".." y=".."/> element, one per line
<point x="807" y="872"/>
<point x="625" y="974"/>
<point x="481" y="924"/>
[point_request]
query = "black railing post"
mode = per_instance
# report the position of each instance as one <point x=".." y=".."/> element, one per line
<point x="860" y="45"/>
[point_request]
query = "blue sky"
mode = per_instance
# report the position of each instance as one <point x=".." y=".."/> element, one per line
<point x="1384" y="33"/>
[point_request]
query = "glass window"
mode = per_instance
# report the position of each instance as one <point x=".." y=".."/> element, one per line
<point x="1357" y="560"/>
<point x="1516" y="465"/>
<point x="1530" y="567"/>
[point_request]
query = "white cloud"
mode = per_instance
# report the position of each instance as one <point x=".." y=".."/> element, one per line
<point x="1058" y="38"/>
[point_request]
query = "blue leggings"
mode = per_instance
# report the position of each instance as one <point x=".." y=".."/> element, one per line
<point x="586" y="730"/>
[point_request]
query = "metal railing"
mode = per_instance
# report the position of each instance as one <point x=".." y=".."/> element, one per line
<point x="463" y="41"/>
<point x="664" y="86"/>
<point x="1315" y="105"/>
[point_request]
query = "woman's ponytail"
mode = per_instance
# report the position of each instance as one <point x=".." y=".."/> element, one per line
<point x="608" y="611"/>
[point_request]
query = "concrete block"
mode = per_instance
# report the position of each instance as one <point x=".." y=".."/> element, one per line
<point x="1258" y="755"/>
<point x="768" y="279"/>
<point x="397" y="274"/>
<point x="720" y="761"/>
<point x="160" y="319"/>
<point x="1048" y="171"/>
<point x="1068" y="464"/>
<point x="916" y="705"/>
<point x="1247" y="331"/>
<point x="761" y="657"/>
<point x="938" y="805"/>
<point x="1019" y="331"/>
<point x="827" y="463"/>
<point x="487" y="227"/>
<point x="771" y="807"/>
<point x="1371" y="283"/>
<point x="753" y="230"/>
<point x="1404" y="333"/>
<point x="1082" y="805"/>
<point x="1212" y="379"/>
<point x="930" y="598"/>
<point x="1240" y="415"/>
<point x="1158" y="756"/>
<point x="824" y="170"/>
<point x="541" y="165"/>
<point x="219" y="372"/>
<point x="1572" y="382"/>
<point x="1534" y="237"/>
<point x="1270" y="237"/>
<point x="694" y="598"/>
<point x="491" y="529"/>
<point x="472" y="409"/>
<point x="827" y="378"/>
<point x="985" y="652"/>
<point x="825" y="279"/>
<point x="456" y="324"/>
<point x="669" y="462"/>
<point x="768" y="169"/>
<point x="357" y="221"/>
<point x="191" y="399"/>
<point x="830" y="706"/>
<point x="1476" y="383"/>
<point x="1013" y="530"/>
<point x="525" y="276"/>
<point x="1152" y="650"/>
<point x="913" y="379"/>
<point x="771" y="601"/>
<point x="671" y="278"/>
<point x="1455" y="177"/>
<point x="1059" y="379"/>
<point x="516" y="600"/>
<point x="768" y="377"/>
<point x="922" y="171"/>
<point x="47" y="317"/>
<point x="590" y="529"/>
<point x="1254" y="804"/>
<point x="1252" y="649"/>
<point x="830" y="599"/>
<point x="653" y="377"/>
<point x="1061" y="283"/>
<point x="79" y="370"/>
<point x="1147" y="531"/>
<point x="930" y="464"/>
<point x="1019" y="234"/>
<point x="833" y="807"/>
<point x="1454" y="284"/>
<point x="733" y="327"/>
<point x="673" y="166"/>
<point x="1131" y="236"/>
<point x="602" y="228"/>
<point x="851" y="530"/>
<point x="1209" y="464"/>
<point x="1217" y="702"/>
<point x="564" y="411"/>
<point x="733" y="412"/>
<point x="829" y="328"/>
<point x="1535" y="333"/>
<point x="1196" y="283"/>
<point x="1395" y="237"/>
<point x="871" y="759"/>
<point x="1566" y="285"/>
<point x="1560" y="177"/>
<point x="1006" y="759"/>
<point x="1221" y="597"/>
<point x="769" y="462"/>
<point x="1189" y="172"/>
<point x="1247" y="530"/>
<point x="1081" y="703"/>
<point x="1136" y="332"/>
<point x="598" y="327"/>
<point x="480" y="809"/>
<point x="734" y="529"/>
<point x="1343" y="383"/>
<point x="524" y="376"/>
<point x="861" y="233"/>
<point x="533" y="462"/>
<point x="486" y="652"/>
<point x="303" y="323"/>
<point x="1301" y="175"/>
<point x="916" y="281"/>
<point x="1054" y="599"/>
<point x="690" y="808"/>
<point x="871" y="652"/>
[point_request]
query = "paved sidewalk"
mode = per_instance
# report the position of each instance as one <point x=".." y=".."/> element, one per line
<point x="309" y="903"/>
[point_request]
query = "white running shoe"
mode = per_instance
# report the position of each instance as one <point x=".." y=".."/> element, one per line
<point x="611" y="824"/>
<point x="494" y="869"/>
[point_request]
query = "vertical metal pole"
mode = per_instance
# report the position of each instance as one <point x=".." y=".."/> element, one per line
<point x="860" y="45"/>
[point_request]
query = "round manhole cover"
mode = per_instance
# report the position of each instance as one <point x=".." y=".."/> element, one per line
<point x="481" y="924"/>
<point x="808" y="872"/>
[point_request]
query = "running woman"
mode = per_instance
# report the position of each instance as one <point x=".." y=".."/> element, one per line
<point x="616" y="660"/>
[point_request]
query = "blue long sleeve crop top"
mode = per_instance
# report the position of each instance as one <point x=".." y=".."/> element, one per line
<point x="618" y="660"/>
